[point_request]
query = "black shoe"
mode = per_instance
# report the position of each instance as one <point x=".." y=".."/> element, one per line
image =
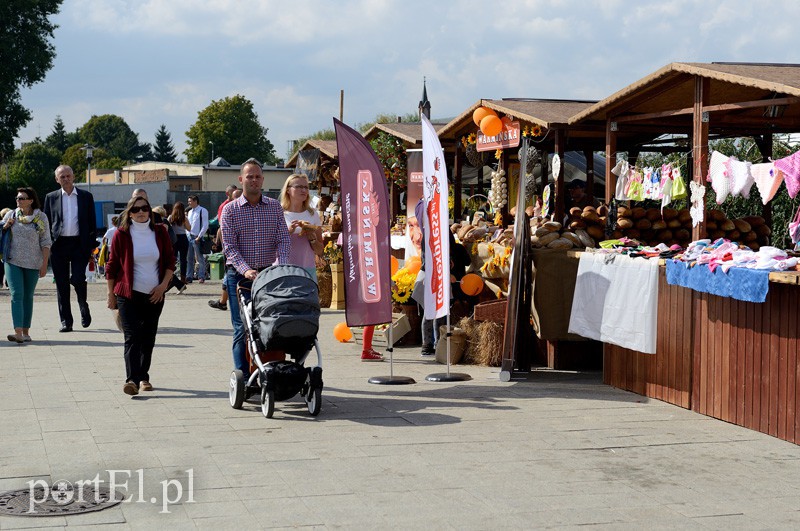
<point x="218" y="305"/>
<point x="86" y="317"/>
<point x="65" y="328"/>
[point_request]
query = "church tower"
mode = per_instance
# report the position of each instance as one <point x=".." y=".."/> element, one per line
<point x="424" y="104"/>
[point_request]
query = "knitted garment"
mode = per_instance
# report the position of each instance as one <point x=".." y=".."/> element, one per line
<point x="790" y="167"/>
<point x="741" y="177"/>
<point x="767" y="179"/>
<point x="719" y="176"/>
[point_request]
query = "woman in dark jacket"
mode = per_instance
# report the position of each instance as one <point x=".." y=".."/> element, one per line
<point x="139" y="270"/>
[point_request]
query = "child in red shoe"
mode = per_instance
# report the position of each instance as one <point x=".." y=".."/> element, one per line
<point x="368" y="354"/>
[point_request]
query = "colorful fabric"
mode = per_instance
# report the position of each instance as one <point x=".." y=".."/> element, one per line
<point x="790" y="167"/>
<point x="768" y="179"/>
<point x="739" y="283"/>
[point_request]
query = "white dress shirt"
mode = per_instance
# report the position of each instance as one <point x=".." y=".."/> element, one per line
<point x="69" y="212"/>
<point x="198" y="219"/>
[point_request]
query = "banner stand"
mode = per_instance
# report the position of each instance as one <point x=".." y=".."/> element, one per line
<point x="391" y="379"/>
<point x="448" y="376"/>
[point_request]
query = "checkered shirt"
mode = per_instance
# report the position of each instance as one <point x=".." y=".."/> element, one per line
<point x="253" y="236"/>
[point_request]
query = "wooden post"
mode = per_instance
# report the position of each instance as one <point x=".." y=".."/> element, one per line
<point x="765" y="146"/>
<point x="611" y="158"/>
<point x="458" y="165"/>
<point x="560" y="201"/>
<point x="504" y="162"/>
<point x="700" y="143"/>
<point x="589" y="156"/>
<point x="341" y="105"/>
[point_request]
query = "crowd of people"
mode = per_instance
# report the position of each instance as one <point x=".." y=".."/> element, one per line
<point x="146" y="246"/>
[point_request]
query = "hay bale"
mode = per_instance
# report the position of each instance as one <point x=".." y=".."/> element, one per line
<point x="325" y="283"/>
<point x="484" y="342"/>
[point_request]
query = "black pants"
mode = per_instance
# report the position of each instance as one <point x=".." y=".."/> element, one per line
<point x="139" y="324"/>
<point x="181" y="249"/>
<point x="69" y="262"/>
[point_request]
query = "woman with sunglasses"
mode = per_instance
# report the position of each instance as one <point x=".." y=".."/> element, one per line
<point x="138" y="272"/>
<point x="26" y="259"/>
<point x="303" y="223"/>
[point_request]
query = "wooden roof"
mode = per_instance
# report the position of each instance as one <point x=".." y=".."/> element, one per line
<point x="326" y="147"/>
<point x="741" y="90"/>
<point x="544" y="112"/>
<point x="408" y="132"/>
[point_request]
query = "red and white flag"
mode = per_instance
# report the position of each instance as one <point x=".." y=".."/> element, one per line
<point x="437" y="242"/>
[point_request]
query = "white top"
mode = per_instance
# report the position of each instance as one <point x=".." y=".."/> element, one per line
<point x="300" y="254"/>
<point x="145" y="257"/>
<point x="198" y="219"/>
<point x="109" y="235"/>
<point x="69" y="211"/>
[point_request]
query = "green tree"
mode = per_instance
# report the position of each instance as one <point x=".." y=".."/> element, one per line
<point x="232" y="126"/>
<point x="33" y="165"/>
<point x="58" y="138"/>
<point x="163" y="150"/>
<point x="111" y="133"/>
<point x="26" y="54"/>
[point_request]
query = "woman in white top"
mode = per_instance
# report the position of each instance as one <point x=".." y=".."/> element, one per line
<point x="303" y="223"/>
<point x="138" y="272"/>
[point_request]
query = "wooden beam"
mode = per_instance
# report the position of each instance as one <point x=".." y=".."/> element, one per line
<point x="710" y="108"/>
<point x="700" y="143"/>
<point x="765" y="146"/>
<point x="611" y="160"/>
<point x="560" y="201"/>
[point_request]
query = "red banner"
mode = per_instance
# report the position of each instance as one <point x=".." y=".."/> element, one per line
<point x="365" y="230"/>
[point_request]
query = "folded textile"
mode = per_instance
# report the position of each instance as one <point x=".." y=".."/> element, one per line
<point x="750" y="285"/>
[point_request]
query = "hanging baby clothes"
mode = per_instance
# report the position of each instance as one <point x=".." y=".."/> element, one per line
<point x="767" y="179"/>
<point x="622" y="170"/>
<point x="790" y="167"/>
<point x="635" y="191"/>
<point x="741" y="178"/>
<point x="719" y="176"/>
<point x="666" y="186"/>
<point x="678" y="184"/>
<point x="655" y="184"/>
<point x="698" y="203"/>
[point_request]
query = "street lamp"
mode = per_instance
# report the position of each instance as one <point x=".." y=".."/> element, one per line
<point x="89" y="149"/>
<point x="212" y="150"/>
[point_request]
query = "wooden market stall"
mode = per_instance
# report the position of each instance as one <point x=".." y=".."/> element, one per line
<point x="732" y="360"/>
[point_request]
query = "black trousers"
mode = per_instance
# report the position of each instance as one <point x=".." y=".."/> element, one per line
<point x="181" y="249"/>
<point x="139" y="319"/>
<point x="69" y="262"/>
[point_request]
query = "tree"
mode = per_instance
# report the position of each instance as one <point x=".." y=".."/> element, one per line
<point x="232" y="126"/>
<point x="33" y="165"/>
<point x="58" y="138"/>
<point x="26" y="54"/>
<point x="324" y="134"/>
<point x="113" y="134"/>
<point x="75" y="158"/>
<point x="163" y="150"/>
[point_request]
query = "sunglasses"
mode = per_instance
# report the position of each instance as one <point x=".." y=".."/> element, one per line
<point x="19" y="198"/>
<point x="137" y="209"/>
<point x="299" y="186"/>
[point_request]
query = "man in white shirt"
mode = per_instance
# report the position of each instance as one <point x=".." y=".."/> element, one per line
<point x="73" y="224"/>
<point x="198" y="219"/>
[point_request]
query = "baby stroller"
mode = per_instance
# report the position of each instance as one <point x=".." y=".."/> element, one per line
<point x="280" y="313"/>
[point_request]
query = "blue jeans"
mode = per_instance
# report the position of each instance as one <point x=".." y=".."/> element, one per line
<point x="195" y="251"/>
<point x="240" y="361"/>
<point x="21" y="284"/>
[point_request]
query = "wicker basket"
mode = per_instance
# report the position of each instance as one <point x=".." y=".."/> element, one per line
<point x="474" y="157"/>
<point x="494" y="311"/>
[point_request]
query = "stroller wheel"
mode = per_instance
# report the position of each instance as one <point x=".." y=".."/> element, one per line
<point x="236" y="390"/>
<point x="314" y="401"/>
<point x="267" y="402"/>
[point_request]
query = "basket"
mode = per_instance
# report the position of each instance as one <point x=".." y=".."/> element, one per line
<point x="494" y="311"/>
<point x="474" y="157"/>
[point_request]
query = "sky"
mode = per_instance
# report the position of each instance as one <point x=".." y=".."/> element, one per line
<point x="159" y="62"/>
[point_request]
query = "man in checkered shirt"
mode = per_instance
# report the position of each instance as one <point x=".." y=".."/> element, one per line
<point x="254" y="236"/>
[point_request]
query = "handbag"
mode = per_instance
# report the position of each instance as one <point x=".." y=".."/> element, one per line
<point x="794" y="227"/>
<point x="102" y="258"/>
<point x="205" y="245"/>
<point x="5" y="245"/>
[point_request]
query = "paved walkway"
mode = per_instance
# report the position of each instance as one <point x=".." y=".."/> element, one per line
<point x="551" y="450"/>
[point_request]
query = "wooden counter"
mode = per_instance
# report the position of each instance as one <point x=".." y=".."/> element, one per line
<point x="732" y="360"/>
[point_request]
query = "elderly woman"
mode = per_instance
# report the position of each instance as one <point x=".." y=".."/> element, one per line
<point x="26" y="259"/>
<point x="139" y="271"/>
<point x="303" y="223"/>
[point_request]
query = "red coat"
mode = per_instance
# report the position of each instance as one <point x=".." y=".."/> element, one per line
<point x="120" y="261"/>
